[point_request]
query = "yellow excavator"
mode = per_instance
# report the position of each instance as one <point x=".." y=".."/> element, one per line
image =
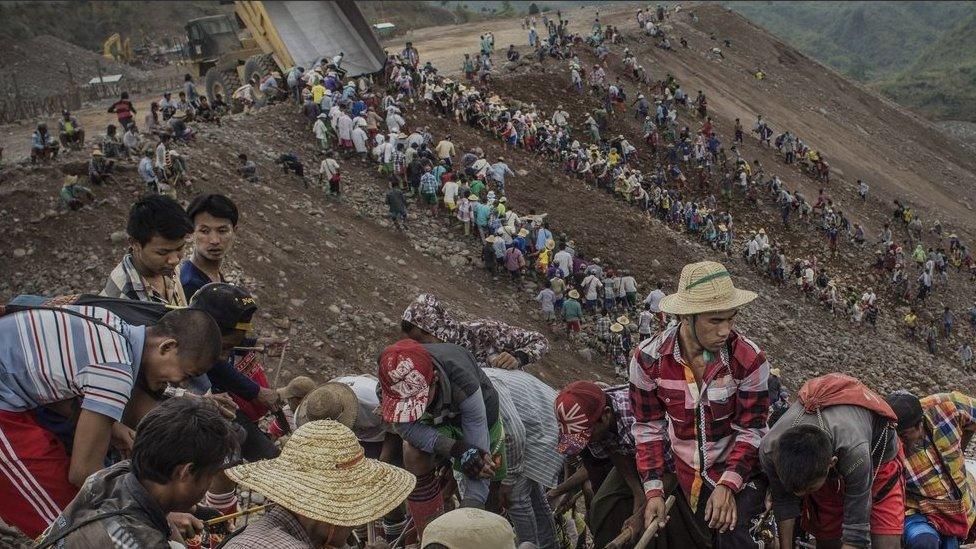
<point x="263" y="37"/>
<point x="118" y="49"/>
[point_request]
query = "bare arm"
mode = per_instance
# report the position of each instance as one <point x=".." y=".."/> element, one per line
<point x="627" y="468"/>
<point x="786" y="533"/>
<point x="571" y="484"/>
<point x="90" y="445"/>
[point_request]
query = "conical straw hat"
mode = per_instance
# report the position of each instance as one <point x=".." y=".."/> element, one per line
<point x="322" y="474"/>
<point x="705" y="287"/>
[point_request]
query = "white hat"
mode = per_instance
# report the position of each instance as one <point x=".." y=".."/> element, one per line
<point x="469" y="527"/>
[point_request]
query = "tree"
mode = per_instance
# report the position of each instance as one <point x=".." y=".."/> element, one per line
<point x="533" y="9"/>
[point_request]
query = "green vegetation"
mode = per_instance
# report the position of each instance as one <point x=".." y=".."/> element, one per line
<point x="942" y="80"/>
<point x="409" y="15"/>
<point x="918" y="53"/>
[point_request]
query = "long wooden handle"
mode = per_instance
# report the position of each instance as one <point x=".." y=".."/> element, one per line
<point x="233" y="516"/>
<point x="625" y="534"/>
<point x="652" y="529"/>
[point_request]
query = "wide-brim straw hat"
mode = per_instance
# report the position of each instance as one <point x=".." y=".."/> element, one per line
<point x="623" y="320"/>
<point x="323" y="474"/>
<point x="333" y="400"/>
<point x="616" y="327"/>
<point x="574" y="294"/>
<point x="705" y="287"/>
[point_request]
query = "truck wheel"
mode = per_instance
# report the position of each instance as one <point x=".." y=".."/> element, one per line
<point x="257" y="67"/>
<point x="223" y="82"/>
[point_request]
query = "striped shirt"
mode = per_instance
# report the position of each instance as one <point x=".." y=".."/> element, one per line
<point x="48" y="356"/>
<point x="126" y="282"/>
<point x="527" y="406"/>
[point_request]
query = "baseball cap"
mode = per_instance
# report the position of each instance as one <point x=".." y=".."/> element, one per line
<point x="298" y="387"/>
<point x="231" y="306"/>
<point x="578" y="406"/>
<point x="469" y="527"/>
<point x="406" y="372"/>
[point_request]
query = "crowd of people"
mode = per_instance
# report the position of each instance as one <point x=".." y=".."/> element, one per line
<point x="142" y="416"/>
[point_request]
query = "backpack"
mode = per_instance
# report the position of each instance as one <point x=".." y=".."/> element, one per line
<point x="836" y="389"/>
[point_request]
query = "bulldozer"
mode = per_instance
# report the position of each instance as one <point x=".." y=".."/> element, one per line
<point x="264" y="37"/>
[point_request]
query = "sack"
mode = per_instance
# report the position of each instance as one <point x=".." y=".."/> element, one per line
<point x="137" y="313"/>
<point x="835" y="389"/>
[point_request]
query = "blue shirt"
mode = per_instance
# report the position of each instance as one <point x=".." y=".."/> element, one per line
<point x="224" y="375"/>
<point x="48" y="356"/>
<point x="519" y="243"/>
<point x="481" y="213"/>
<point x="192" y="278"/>
<point x="541" y="237"/>
<point x="358" y="108"/>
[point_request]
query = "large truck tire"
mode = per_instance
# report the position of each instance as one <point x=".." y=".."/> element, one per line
<point x="257" y="67"/>
<point x="223" y="82"/>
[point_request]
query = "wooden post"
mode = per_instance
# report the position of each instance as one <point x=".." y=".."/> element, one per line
<point x="101" y="81"/>
<point x="73" y="86"/>
<point x="18" y="104"/>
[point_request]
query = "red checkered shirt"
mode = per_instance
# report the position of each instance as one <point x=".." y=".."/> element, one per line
<point x="714" y="428"/>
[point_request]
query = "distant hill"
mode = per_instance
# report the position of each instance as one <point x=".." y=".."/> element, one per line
<point x="88" y="24"/>
<point x="942" y="80"/>
<point x="899" y="48"/>
<point x="406" y="15"/>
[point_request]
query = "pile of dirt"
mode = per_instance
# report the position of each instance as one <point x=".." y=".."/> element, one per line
<point x="45" y="65"/>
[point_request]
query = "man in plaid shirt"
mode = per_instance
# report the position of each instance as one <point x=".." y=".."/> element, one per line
<point x="702" y="387"/>
<point x="939" y="492"/>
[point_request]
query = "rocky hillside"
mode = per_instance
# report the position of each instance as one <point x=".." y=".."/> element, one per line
<point x="334" y="277"/>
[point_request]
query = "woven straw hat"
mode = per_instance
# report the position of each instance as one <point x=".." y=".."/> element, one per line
<point x="335" y="401"/>
<point x="705" y="287"/>
<point x="322" y="474"/>
<point x="574" y="294"/>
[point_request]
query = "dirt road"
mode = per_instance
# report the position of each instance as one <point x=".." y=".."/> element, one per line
<point x="445" y="46"/>
<point x="15" y="138"/>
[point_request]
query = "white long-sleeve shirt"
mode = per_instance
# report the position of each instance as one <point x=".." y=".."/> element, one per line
<point x="344" y="127"/>
<point x="320" y="129"/>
